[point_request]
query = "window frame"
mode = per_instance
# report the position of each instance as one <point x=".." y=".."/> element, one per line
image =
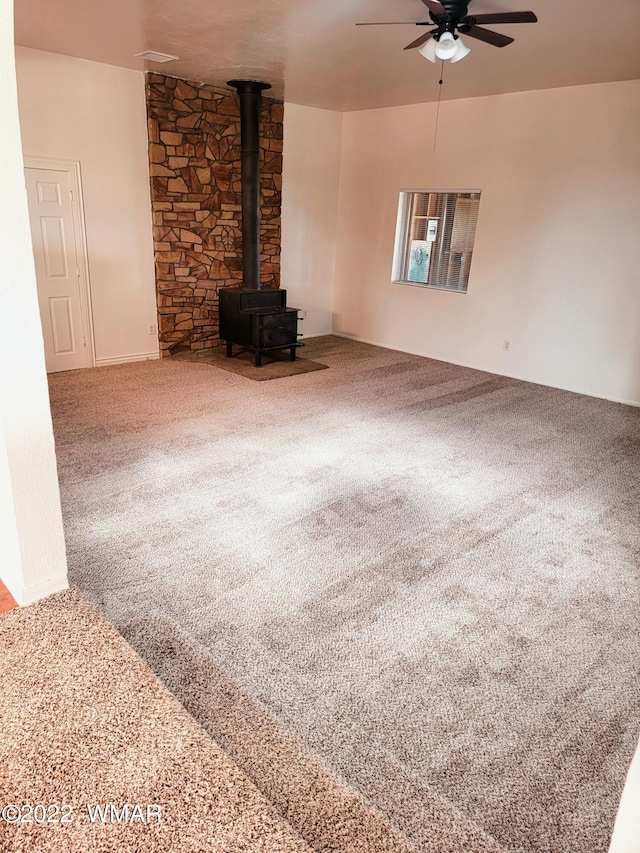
<point x="404" y="220"/>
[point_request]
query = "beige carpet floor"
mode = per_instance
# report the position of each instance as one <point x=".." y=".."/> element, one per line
<point x="85" y="723"/>
<point x="427" y="574"/>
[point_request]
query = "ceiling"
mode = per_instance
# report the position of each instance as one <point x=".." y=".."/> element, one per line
<point x="313" y="54"/>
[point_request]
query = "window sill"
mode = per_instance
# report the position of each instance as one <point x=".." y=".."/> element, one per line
<point x="430" y="286"/>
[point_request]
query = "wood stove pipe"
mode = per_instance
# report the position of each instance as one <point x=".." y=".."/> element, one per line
<point x="250" y="92"/>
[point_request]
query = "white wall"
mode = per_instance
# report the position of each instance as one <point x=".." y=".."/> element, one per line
<point x="310" y="184"/>
<point x="32" y="551"/>
<point x="78" y="110"/>
<point x="626" y="831"/>
<point x="556" y="266"/>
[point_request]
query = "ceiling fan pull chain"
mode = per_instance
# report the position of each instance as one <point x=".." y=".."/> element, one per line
<point x="440" y="82"/>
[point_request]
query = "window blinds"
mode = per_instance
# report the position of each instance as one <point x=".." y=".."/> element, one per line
<point x="434" y="238"/>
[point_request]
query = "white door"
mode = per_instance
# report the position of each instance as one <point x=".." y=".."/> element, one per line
<point x="57" y="269"/>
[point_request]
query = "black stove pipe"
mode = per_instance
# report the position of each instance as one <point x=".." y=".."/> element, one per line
<point x="249" y="92"/>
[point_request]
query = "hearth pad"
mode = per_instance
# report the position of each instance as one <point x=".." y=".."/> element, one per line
<point x="277" y="367"/>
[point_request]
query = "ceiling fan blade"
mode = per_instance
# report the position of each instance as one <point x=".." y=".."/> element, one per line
<point x="436" y="7"/>
<point x="389" y="23"/>
<point x="506" y="18"/>
<point x="496" y="39"/>
<point x="419" y="41"/>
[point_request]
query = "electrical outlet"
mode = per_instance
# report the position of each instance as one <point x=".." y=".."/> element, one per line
<point x="506" y="346"/>
<point x="302" y="314"/>
<point x="152" y="328"/>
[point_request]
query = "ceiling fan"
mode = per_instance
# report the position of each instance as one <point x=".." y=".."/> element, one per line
<point x="449" y="18"/>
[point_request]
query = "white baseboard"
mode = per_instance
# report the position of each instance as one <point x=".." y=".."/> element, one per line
<point x="572" y="390"/>
<point x="41" y="590"/>
<point x="124" y="359"/>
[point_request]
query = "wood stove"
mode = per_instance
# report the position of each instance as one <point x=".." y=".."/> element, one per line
<point x="259" y="321"/>
<point x="254" y="319"/>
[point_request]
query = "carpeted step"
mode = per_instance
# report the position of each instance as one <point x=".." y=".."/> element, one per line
<point x="323" y="808"/>
<point x="84" y="722"/>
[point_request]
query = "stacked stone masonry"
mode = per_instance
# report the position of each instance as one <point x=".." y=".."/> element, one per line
<point x="196" y="194"/>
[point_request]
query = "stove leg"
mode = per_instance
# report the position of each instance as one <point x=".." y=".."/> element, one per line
<point x="292" y="354"/>
<point x="229" y="349"/>
<point x="258" y="360"/>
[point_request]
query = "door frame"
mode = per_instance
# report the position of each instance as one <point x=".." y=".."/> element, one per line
<point x="72" y="168"/>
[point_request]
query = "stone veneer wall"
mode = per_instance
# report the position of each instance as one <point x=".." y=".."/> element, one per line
<point x="194" y="157"/>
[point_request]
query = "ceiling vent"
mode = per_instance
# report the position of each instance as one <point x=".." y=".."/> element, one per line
<point x="153" y="56"/>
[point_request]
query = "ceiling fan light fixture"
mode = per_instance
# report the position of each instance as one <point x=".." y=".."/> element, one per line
<point x="461" y="50"/>
<point x="429" y="50"/>
<point x="446" y="47"/>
